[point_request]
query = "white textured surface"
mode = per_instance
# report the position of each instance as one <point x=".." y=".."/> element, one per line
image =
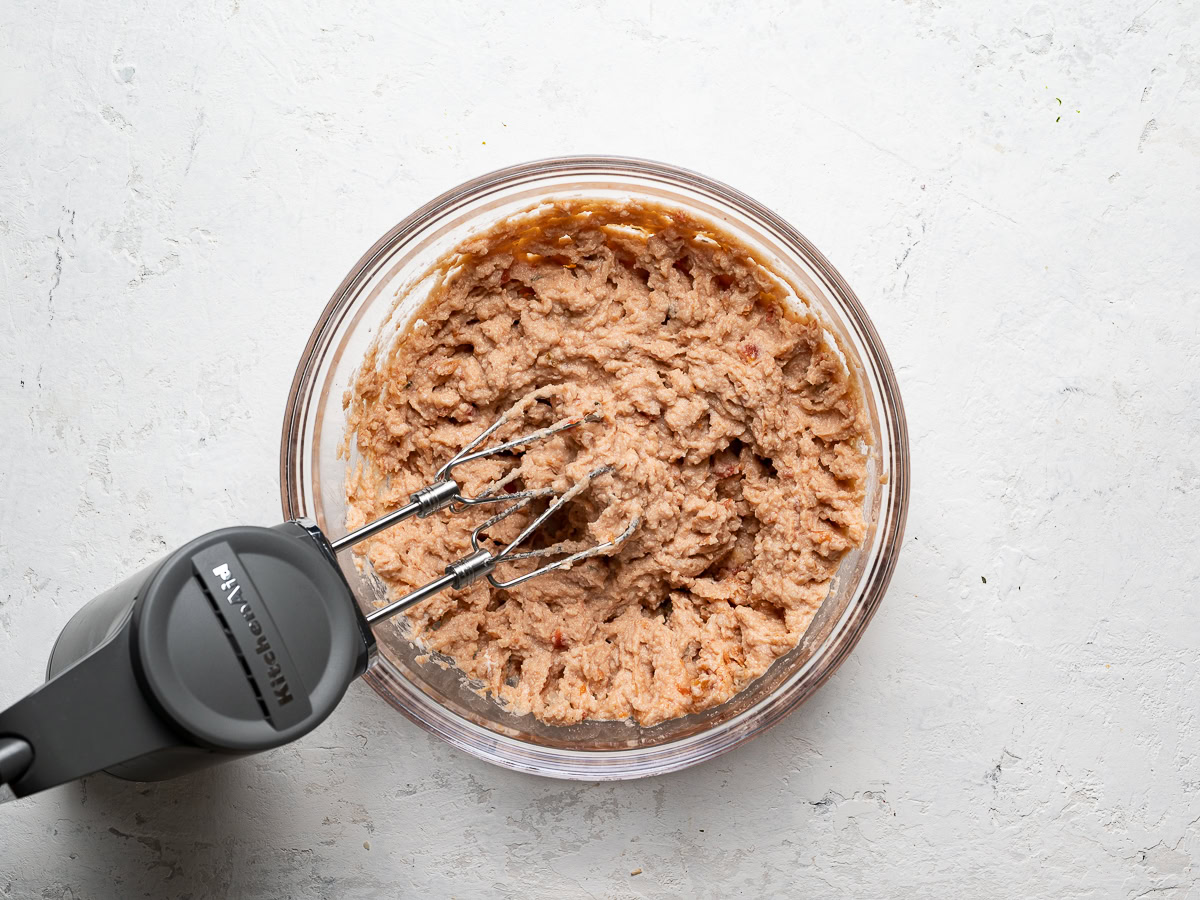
<point x="181" y="187"/>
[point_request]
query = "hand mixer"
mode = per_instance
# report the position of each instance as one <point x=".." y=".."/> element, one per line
<point x="245" y="638"/>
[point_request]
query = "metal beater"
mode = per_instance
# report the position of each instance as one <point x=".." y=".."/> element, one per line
<point x="445" y="492"/>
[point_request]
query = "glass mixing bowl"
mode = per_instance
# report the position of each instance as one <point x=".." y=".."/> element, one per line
<point x="436" y="697"/>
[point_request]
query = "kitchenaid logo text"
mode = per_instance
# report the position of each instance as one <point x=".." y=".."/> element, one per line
<point x="262" y="646"/>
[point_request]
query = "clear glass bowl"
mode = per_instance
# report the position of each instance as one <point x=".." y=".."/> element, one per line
<point x="436" y="697"/>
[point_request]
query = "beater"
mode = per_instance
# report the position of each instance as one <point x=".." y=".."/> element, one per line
<point x="247" y="637"/>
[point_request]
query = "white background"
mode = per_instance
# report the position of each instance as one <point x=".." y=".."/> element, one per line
<point x="1012" y="189"/>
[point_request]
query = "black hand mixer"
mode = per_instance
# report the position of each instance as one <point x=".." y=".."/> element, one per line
<point x="247" y="637"/>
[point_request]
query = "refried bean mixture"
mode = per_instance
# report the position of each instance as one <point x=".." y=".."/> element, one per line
<point x="734" y="430"/>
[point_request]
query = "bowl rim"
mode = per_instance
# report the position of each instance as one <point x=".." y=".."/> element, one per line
<point x="635" y="761"/>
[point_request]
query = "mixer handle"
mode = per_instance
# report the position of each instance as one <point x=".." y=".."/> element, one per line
<point x="92" y="716"/>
